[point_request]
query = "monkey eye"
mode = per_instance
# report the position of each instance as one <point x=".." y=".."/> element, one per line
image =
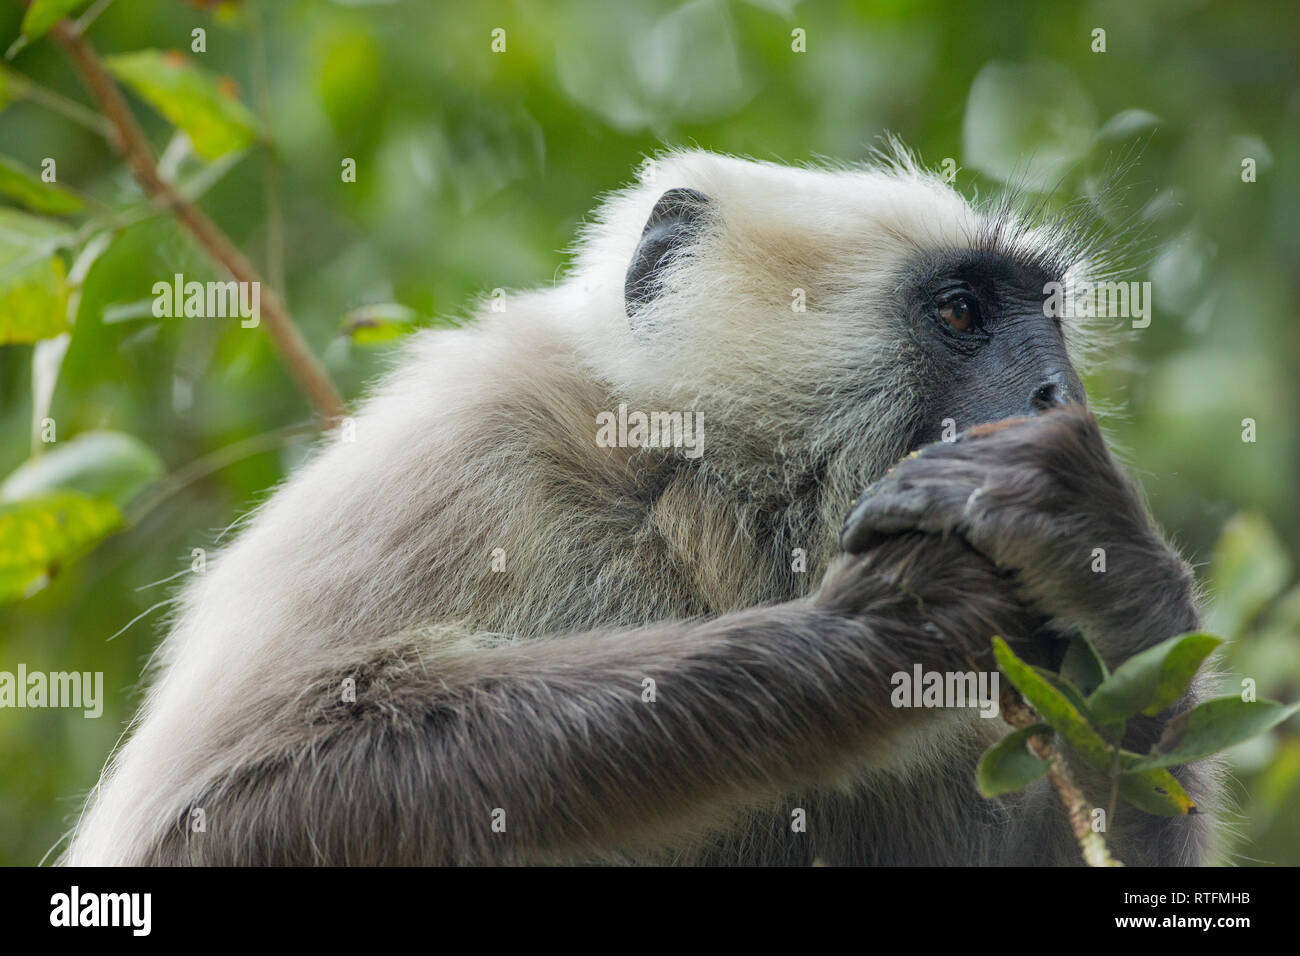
<point x="961" y="313"/>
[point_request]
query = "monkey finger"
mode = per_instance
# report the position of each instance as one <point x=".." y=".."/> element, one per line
<point x="895" y="509"/>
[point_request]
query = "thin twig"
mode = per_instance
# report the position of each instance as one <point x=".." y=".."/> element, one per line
<point x="58" y="103"/>
<point x="130" y="141"/>
<point x="1092" y="844"/>
<point x="212" y="462"/>
<point x="91" y="15"/>
<point x="1112" y="806"/>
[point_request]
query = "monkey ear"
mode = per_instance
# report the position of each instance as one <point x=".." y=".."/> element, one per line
<point x="675" y="220"/>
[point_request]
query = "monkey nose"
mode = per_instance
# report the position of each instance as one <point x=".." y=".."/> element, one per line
<point x="1053" y="391"/>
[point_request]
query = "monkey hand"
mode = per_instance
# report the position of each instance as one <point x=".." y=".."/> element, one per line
<point x="932" y="597"/>
<point x="1044" y="499"/>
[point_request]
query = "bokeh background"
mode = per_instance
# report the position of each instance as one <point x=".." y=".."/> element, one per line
<point x="474" y="169"/>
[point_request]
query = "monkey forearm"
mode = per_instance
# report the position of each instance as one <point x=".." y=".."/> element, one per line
<point x="551" y="750"/>
<point x="554" y="744"/>
<point x="1145" y="594"/>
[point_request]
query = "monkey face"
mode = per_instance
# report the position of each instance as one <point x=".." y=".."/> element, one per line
<point x="988" y="347"/>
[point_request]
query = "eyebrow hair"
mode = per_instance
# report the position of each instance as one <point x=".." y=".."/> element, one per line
<point x="1008" y="266"/>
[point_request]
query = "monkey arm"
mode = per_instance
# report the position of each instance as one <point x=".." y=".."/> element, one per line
<point x="555" y="743"/>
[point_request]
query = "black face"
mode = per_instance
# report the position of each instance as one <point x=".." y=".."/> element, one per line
<point x="991" y="351"/>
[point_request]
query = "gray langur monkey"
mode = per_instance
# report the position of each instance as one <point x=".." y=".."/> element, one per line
<point x="476" y="633"/>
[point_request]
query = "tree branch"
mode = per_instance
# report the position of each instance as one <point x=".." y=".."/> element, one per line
<point x="129" y="140"/>
<point x="1016" y="713"/>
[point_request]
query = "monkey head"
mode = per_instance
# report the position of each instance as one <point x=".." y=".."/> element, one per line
<point x="851" y="311"/>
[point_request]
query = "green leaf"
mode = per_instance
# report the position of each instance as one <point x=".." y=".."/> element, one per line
<point x="24" y="186"/>
<point x="33" y="291"/>
<point x="33" y="303"/>
<point x="192" y="100"/>
<point x="1155" y="791"/>
<point x="378" y="324"/>
<point x="1271" y="653"/>
<point x="1066" y="688"/>
<point x="1251" y="566"/>
<point x="1009" y="765"/>
<point x="1053" y="705"/>
<point x="1082" y="666"/>
<point x="38" y="535"/>
<point x="103" y="464"/>
<point x="33" y="288"/>
<point x="1284" y="616"/>
<point x="43" y="14"/>
<point x="1213" y="726"/>
<point x="1149" y="682"/>
<point x="18" y="228"/>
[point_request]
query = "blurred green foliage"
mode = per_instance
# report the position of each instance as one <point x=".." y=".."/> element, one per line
<point x="473" y="169"/>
